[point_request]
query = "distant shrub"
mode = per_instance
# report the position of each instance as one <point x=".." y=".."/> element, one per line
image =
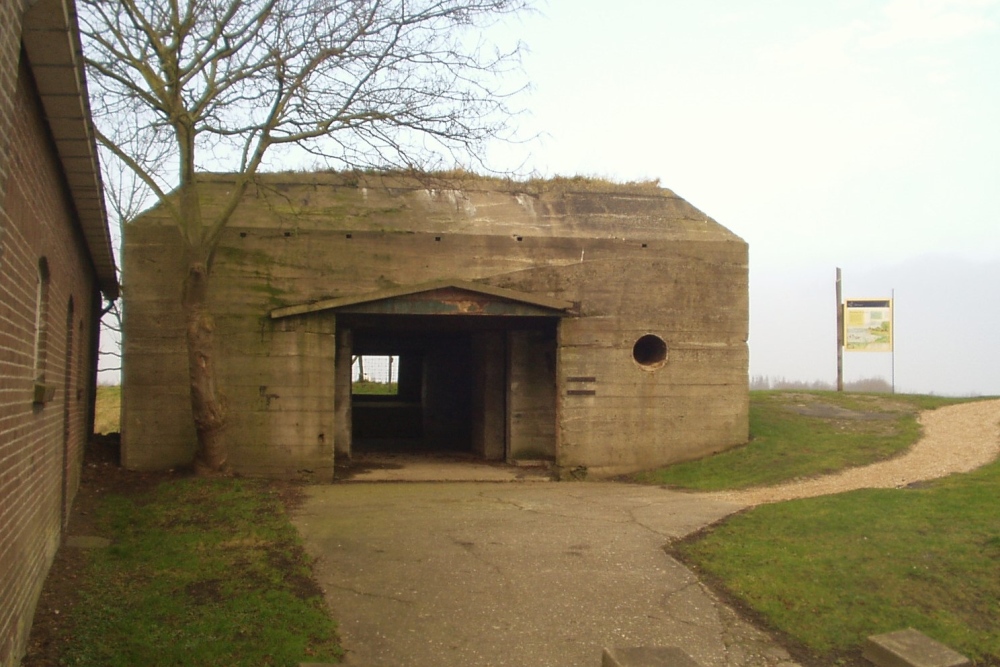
<point x="873" y="385"/>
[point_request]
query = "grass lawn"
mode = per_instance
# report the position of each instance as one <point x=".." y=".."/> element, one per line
<point x="804" y="434"/>
<point x="200" y="572"/>
<point x="375" y="388"/>
<point x="830" y="571"/>
<point x="107" y="411"/>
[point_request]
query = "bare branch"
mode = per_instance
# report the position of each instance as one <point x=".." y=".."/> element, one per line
<point x="146" y="178"/>
<point x="286" y="72"/>
<point x="183" y="87"/>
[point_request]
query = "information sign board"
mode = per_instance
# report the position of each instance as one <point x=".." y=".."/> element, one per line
<point x="868" y="325"/>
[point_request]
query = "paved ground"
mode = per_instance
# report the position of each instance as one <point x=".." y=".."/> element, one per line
<point x="503" y="572"/>
<point x="517" y="574"/>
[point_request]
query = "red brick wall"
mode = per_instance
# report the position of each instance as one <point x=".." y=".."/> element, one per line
<point x="11" y="12"/>
<point x="41" y="446"/>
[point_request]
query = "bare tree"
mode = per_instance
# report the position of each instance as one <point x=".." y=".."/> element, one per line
<point x="182" y="86"/>
<point x="127" y="196"/>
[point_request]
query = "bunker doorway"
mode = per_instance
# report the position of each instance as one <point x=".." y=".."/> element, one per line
<point x="476" y="369"/>
<point x="460" y="385"/>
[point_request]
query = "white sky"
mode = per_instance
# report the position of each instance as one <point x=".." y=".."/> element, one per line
<point x="863" y="134"/>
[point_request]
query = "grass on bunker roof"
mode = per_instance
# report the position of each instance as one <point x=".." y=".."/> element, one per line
<point x="199" y="572"/>
<point x="828" y="572"/>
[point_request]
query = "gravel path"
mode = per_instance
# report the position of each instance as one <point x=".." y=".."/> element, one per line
<point x="957" y="438"/>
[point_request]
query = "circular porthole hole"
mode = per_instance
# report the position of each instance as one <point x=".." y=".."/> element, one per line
<point x="650" y="351"/>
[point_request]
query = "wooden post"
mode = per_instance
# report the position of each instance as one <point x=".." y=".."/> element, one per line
<point x="840" y="336"/>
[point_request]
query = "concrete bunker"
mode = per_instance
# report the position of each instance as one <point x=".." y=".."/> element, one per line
<point x="476" y="371"/>
<point x="599" y="325"/>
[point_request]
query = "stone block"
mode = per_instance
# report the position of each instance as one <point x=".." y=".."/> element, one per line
<point x="647" y="656"/>
<point x="87" y="542"/>
<point x="910" y="648"/>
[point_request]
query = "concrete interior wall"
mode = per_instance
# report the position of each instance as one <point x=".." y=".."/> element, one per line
<point x="489" y="395"/>
<point x="343" y="419"/>
<point x="531" y="394"/>
<point x="447" y="392"/>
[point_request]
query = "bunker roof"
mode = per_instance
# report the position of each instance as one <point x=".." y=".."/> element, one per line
<point x="459" y="203"/>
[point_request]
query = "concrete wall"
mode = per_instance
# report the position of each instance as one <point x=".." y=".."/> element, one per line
<point x="696" y="403"/>
<point x="635" y="262"/>
<point x="489" y="398"/>
<point x="531" y="395"/>
<point x="276" y="377"/>
<point x="41" y="444"/>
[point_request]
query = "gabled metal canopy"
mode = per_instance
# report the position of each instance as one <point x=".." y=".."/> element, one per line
<point x="439" y="298"/>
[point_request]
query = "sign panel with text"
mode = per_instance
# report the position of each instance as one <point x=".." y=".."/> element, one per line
<point x="868" y="325"/>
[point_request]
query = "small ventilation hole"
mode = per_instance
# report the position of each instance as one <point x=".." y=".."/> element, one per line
<point x="650" y="351"/>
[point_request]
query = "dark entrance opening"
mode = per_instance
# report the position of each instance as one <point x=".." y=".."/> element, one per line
<point x="476" y="369"/>
<point x="431" y="408"/>
<point x="453" y="381"/>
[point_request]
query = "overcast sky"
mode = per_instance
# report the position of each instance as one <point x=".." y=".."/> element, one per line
<point x="862" y="134"/>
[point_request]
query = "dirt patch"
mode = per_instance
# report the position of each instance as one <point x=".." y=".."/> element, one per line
<point x="860" y="407"/>
<point x="345" y="469"/>
<point x="101" y="476"/>
<point x="827" y="411"/>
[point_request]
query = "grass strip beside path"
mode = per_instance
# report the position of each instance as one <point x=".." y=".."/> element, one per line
<point x="200" y="572"/>
<point x="806" y="434"/>
<point x="830" y="571"/>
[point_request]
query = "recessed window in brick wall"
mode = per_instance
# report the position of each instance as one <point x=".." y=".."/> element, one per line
<point x="41" y="329"/>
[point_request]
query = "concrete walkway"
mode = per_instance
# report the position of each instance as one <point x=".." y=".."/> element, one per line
<point x="517" y="574"/>
<point x="547" y="574"/>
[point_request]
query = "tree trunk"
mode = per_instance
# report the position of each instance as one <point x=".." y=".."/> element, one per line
<point x="209" y="413"/>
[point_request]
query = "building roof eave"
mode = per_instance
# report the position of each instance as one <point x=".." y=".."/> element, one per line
<point x="51" y="39"/>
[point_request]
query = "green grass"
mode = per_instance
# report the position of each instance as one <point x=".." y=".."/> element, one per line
<point x="107" y="412"/>
<point x="786" y="444"/>
<point x="201" y="572"/>
<point x="831" y="571"/>
<point x="369" y="388"/>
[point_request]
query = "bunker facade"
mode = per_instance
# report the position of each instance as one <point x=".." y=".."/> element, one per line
<point x="600" y="327"/>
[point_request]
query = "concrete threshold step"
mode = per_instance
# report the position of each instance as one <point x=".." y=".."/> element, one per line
<point x="647" y="656"/>
<point x="910" y="648"/>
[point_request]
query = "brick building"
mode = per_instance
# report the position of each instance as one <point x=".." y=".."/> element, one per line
<point x="55" y="261"/>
